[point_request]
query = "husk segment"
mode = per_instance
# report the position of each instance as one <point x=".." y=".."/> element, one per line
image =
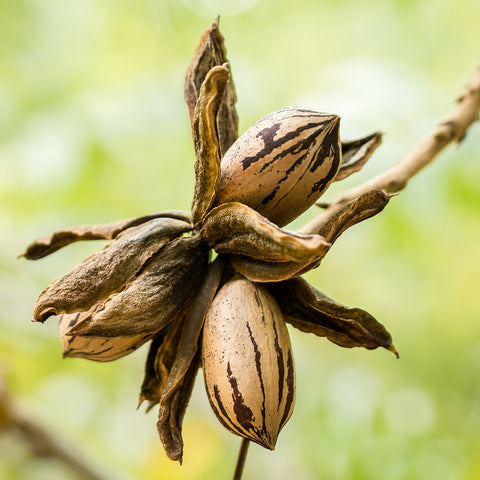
<point x="355" y="211"/>
<point x="160" y="358"/>
<point x="107" y="231"/>
<point x="313" y="312"/>
<point x="211" y="52"/>
<point x="355" y="154"/>
<point x="234" y="228"/>
<point x="177" y="389"/>
<point x="153" y="298"/>
<point x="109" y="270"/>
<point x="98" y="349"/>
<point x="205" y="141"/>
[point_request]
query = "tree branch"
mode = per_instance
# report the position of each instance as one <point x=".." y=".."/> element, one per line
<point x="452" y="128"/>
<point x="42" y="442"/>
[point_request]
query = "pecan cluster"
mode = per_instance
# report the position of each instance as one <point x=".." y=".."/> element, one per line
<point x="158" y="280"/>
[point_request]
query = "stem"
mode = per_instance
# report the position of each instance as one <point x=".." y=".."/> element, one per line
<point x="43" y="442"/>
<point x="451" y="129"/>
<point x="242" y="455"/>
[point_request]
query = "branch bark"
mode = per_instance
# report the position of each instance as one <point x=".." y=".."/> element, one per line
<point x="42" y="442"/>
<point x="452" y="128"/>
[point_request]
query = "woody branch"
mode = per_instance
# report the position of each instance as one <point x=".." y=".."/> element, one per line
<point x="41" y="441"/>
<point x="452" y="128"/>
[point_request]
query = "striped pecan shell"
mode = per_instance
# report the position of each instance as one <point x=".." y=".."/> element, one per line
<point x="281" y="165"/>
<point x="248" y="362"/>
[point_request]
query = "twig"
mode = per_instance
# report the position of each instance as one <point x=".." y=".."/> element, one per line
<point x="41" y="441"/>
<point x="242" y="455"/>
<point x="451" y="129"/>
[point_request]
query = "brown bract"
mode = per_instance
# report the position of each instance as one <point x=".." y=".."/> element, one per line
<point x="155" y="280"/>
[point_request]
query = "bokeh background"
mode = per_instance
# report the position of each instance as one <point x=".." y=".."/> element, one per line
<point x="93" y="129"/>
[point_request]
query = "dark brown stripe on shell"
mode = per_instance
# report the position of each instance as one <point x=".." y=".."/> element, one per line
<point x="291" y="389"/>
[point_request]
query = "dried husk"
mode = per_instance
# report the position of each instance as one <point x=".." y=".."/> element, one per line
<point x="160" y="358"/>
<point x="355" y="154"/>
<point x="247" y="362"/>
<point x="205" y="141"/>
<point x="150" y="301"/>
<point x="313" y="312"/>
<point x="364" y="206"/>
<point x="261" y="271"/>
<point x="109" y="270"/>
<point x="234" y="228"/>
<point x="98" y="349"/>
<point x="211" y="52"/>
<point x="281" y="165"/>
<point x="178" y="385"/>
<point x="106" y="231"/>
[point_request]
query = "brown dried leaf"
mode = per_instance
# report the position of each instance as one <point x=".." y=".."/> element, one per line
<point x="107" y="231"/>
<point x="234" y="228"/>
<point x="364" y="206"/>
<point x="178" y="387"/>
<point x="205" y="141"/>
<point x="313" y="312"/>
<point x="170" y="422"/>
<point x="355" y="154"/>
<point x="361" y="208"/>
<point x="95" y="348"/>
<point x="107" y="271"/>
<point x="161" y="356"/>
<point x="150" y="301"/>
<point x="260" y="271"/>
<point x="211" y="52"/>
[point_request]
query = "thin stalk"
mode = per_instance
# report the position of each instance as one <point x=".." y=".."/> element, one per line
<point x="242" y="455"/>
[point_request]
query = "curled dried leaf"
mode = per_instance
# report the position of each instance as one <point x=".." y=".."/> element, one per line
<point x="260" y="271"/>
<point x="107" y="231"/>
<point x="99" y="349"/>
<point x="107" y="271"/>
<point x="211" y="52"/>
<point x="205" y="140"/>
<point x="361" y="208"/>
<point x="355" y="154"/>
<point x="171" y="415"/>
<point x="313" y="312"/>
<point x="234" y="228"/>
<point x="176" y="393"/>
<point x="160" y="358"/>
<point x="364" y="206"/>
<point x="150" y="301"/>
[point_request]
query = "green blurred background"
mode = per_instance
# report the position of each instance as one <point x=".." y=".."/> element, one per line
<point x="93" y="129"/>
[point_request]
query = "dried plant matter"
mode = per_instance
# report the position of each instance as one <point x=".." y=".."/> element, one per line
<point x="155" y="281"/>
<point x="42" y="442"/>
<point x="453" y="128"/>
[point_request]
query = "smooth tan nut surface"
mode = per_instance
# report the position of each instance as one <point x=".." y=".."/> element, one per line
<point x="248" y="362"/>
<point x="281" y="165"/>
